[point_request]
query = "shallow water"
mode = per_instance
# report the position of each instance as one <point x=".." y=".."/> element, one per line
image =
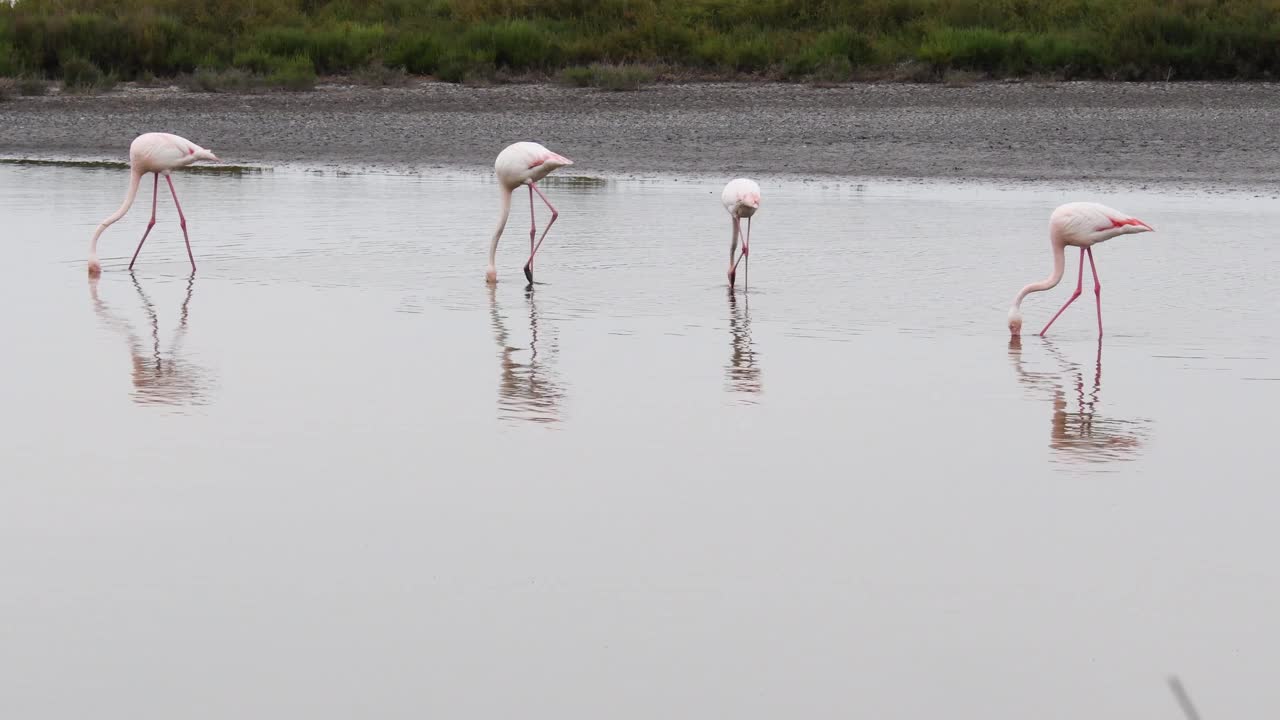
<point x="334" y="475"/>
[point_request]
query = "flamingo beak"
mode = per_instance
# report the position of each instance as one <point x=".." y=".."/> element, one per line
<point x="1146" y="226"/>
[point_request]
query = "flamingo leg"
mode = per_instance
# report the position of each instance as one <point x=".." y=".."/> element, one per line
<point x="1097" y="289"/>
<point x="733" y="248"/>
<point x="528" y="267"/>
<point x="746" y="246"/>
<point x="1074" y="295"/>
<point x="533" y="231"/>
<point x="155" y="195"/>
<point x="182" y="220"/>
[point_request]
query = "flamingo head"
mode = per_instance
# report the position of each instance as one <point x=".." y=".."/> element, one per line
<point x="1015" y="322"/>
<point x="95" y="267"/>
<point x="491" y="275"/>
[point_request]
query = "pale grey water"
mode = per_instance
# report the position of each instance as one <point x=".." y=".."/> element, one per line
<point x="333" y="476"/>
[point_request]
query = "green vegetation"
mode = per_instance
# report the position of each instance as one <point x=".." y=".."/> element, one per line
<point x="81" y="75"/>
<point x="379" y="75"/>
<point x="606" y="43"/>
<point x="608" y="77"/>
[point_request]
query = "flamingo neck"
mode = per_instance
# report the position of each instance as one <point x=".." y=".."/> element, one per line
<point x="1059" y="266"/>
<point x="134" y="179"/>
<point x="503" y="212"/>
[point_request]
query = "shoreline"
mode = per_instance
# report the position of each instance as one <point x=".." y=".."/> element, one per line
<point x="1204" y="134"/>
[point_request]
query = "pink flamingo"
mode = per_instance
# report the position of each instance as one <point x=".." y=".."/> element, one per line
<point x="523" y="163"/>
<point x="156" y="153"/>
<point x="1082" y="225"/>
<point x="741" y="197"/>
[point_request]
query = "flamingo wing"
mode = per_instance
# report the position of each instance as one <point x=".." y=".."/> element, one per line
<point x="1090" y="222"/>
<point x="546" y="156"/>
<point x="1106" y="218"/>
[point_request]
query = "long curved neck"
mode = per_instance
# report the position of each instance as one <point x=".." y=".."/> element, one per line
<point x="503" y="213"/>
<point x="1059" y="265"/>
<point x="134" y="179"/>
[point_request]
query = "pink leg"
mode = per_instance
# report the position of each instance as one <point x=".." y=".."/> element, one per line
<point x="1074" y="295"/>
<point x="533" y="228"/>
<point x="528" y="267"/>
<point x="155" y="195"/>
<point x="746" y="244"/>
<point x="736" y="229"/>
<point x="182" y="220"/>
<point x="1097" y="288"/>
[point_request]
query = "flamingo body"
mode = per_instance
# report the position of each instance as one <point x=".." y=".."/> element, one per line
<point x="1082" y="225"/>
<point x="522" y="163"/>
<point x="158" y="153"/>
<point x="741" y="199"/>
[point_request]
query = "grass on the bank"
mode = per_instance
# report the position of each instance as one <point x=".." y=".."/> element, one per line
<point x="608" y="77"/>
<point x="297" y="74"/>
<point x="89" y="43"/>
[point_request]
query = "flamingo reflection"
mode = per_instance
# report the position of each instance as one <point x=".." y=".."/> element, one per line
<point x="1082" y="435"/>
<point x="159" y="377"/>
<point x="742" y="373"/>
<point x="528" y="388"/>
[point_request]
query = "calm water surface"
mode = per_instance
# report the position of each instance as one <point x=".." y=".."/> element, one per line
<point x="334" y="475"/>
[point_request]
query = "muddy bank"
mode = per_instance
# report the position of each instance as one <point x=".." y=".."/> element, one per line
<point x="1210" y="133"/>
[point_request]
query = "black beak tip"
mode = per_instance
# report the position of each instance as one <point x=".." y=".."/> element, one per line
<point x="528" y="274"/>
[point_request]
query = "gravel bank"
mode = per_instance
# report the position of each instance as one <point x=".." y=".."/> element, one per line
<point x="1179" y="133"/>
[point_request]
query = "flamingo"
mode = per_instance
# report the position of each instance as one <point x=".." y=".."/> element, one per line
<point x="741" y="197"/>
<point x="523" y="163"/>
<point x="157" y="153"/>
<point x="1082" y="225"/>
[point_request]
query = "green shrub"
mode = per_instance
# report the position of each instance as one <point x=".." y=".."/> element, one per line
<point x="608" y="77"/>
<point x="296" y="74"/>
<point x="800" y="39"/>
<point x="256" y="61"/>
<point x="379" y="75"/>
<point x="836" y="70"/>
<point x="578" y="76"/>
<point x="231" y="80"/>
<point x="81" y="75"/>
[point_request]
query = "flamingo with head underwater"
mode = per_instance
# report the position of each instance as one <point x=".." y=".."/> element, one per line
<point x="522" y="163"/>
<point x="741" y="198"/>
<point x="157" y="153"/>
<point x="1082" y="225"/>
